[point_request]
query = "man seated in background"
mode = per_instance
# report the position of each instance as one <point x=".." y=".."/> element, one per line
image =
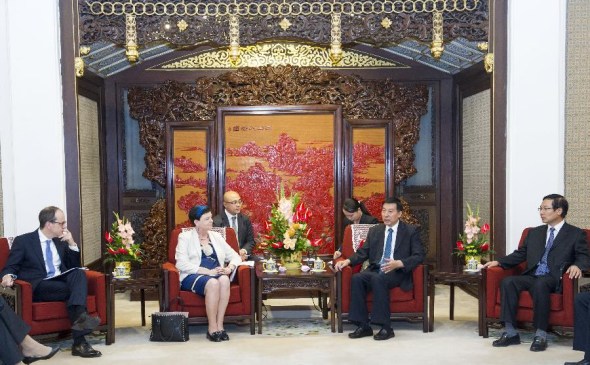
<point x="232" y="217"/>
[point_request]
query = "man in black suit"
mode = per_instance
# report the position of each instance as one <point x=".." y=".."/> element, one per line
<point x="232" y="217"/>
<point x="547" y="249"/>
<point x="393" y="249"/>
<point x="40" y="257"/>
<point x="582" y="327"/>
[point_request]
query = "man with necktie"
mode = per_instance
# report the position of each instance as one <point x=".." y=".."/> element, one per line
<point x="41" y="258"/>
<point x="547" y="249"/>
<point x="393" y="249"/>
<point x="232" y="217"/>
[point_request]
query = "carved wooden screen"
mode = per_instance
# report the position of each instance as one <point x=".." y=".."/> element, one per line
<point x="297" y="147"/>
<point x="371" y="163"/>
<point x="189" y="150"/>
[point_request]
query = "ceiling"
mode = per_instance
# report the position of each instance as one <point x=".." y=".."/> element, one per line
<point x="407" y="36"/>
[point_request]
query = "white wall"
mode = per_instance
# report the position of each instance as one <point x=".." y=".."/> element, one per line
<point x="536" y="89"/>
<point x="31" y="124"/>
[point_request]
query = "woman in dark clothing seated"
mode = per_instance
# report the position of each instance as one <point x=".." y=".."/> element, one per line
<point x="16" y="347"/>
<point x="355" y="213"/>
<point x="201" y="256"/>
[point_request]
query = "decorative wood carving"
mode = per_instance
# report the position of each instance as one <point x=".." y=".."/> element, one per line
<point x="155" y="231"/>
<point x="281" y="85"/>
<point x="315" y="28"/>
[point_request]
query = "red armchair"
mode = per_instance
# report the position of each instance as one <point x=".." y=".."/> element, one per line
<point x="52" y="317"/>
<point x="411" y="305"/>
<point x="241" y="299"/>
<point x="562" y="304"/>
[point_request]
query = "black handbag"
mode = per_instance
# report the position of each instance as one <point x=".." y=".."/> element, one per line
<point x="169" y="327"/>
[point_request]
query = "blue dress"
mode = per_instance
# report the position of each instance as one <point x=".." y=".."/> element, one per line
<point x="196" y="282"/>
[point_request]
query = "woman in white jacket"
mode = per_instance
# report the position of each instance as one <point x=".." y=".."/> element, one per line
<point x="201" y="255"/>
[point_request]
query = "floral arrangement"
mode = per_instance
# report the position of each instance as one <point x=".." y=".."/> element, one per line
<point x="120" y="245"/>
<point x="287" y="227"/>
<point x="474" y="240"/>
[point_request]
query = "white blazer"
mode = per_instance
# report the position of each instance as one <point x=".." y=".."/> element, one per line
<point x="188" y="252"/>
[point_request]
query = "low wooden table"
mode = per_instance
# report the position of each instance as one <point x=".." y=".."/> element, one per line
<point x="140" y="280"/>
<point x="452" y="279"/>
<point x="323" y="282"/>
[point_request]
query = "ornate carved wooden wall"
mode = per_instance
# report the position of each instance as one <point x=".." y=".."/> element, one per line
<point x="283" y="85"/>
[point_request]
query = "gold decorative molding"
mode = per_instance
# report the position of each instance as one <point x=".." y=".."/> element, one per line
<point x="277" y="54"/>
<point x="79" y="66"/>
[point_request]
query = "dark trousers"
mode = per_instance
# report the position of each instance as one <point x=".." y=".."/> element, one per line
<point x="71" y="287"/>
<point x="582" y="324"/>
<point x="539" y="288"/>
<point x="380" y="284"/>
<point x="12" y="332"/>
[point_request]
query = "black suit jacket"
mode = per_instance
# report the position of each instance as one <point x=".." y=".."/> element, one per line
<point x="408" y="248"/>
<point x="26" y="258"/>
<point x="569" y="248"/>
<point x="245" y="231"/>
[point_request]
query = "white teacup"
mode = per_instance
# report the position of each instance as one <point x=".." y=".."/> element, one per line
<point x="319" y="264"/>
<point x="305" y="268"/>
<point x="270" y="265"/>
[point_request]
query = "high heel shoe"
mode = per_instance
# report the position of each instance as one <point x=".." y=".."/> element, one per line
<point x="224" y="336"/>
<point x="214" y="337"/>
<point x="31" y="359"/>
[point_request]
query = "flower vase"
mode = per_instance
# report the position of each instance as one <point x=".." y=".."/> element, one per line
<point x="122" y="269"/>
<point x="472" y="262"/>
<point x="291" y="261"/>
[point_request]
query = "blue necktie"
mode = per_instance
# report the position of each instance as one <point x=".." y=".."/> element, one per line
<point x="387" y="250"/>
<point x="542" y="268"/>
<point x="49" y="257"/>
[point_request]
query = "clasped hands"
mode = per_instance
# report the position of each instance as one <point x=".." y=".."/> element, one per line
<point x="220" y="271"/>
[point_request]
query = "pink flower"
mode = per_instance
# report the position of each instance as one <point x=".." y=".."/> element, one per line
<point x="485" y="228"/>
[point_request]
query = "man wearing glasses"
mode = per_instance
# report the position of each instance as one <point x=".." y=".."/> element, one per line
<point x="232" y="217"/>
<point x="42" y="258"/>
<point x="546" y="249"/>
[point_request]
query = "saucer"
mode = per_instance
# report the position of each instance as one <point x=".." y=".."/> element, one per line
<point x="471" y="270"/>
<point x="320" y="270"/>
<point x="270" y="271"/>
<point x="122" y="277"/>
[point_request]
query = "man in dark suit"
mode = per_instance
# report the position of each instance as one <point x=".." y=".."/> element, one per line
<point x="41" y="257"/>
<point x="582" y="327"/>
<point x="547" y="249"/>
<point x="232" y="217"/>
<point x="393" y="249"/>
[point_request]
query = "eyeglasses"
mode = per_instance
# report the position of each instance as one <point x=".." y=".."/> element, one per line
<point x="235" y="202"/>
<point x="544" y="209"/>
<point x="60" y="223"/>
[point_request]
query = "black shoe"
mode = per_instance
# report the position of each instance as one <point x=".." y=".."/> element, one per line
<point x="223" y="335"/>
<point x="504" y="340"/>
<point x="85" y="350"/>
<point x="581" y="362"/>
<point x="361" y="331"/>
<point x="539" y="344"/>
<point x="214" y="337"/>
<point x="85" y="322"/>
<point x="384" y="334"/>
<point x="32" y="359"/>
